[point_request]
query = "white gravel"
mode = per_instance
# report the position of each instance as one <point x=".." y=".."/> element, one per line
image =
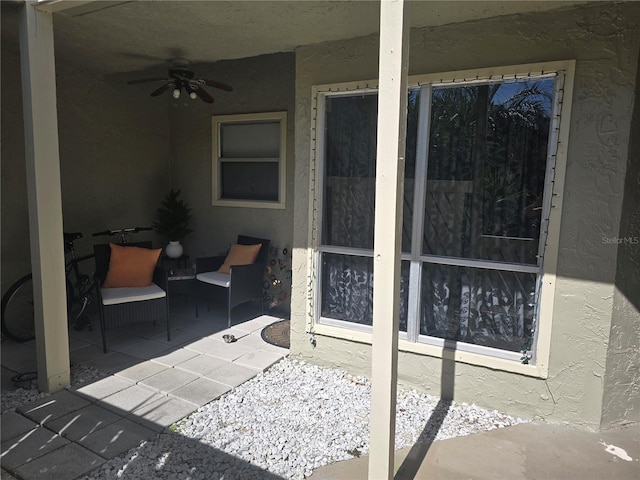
<point x="13" y="398"/>
<point x="287" y="422"/>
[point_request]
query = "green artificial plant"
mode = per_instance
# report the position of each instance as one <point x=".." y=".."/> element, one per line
<point x="172" y="218"/>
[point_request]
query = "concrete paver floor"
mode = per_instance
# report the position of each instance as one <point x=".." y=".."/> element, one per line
<point x="149" y="384"/>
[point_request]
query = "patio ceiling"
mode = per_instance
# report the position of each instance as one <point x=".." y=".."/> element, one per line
<point x="110" y="37"/>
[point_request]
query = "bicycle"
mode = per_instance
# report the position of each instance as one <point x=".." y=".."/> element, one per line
<point x="17" y="308"/>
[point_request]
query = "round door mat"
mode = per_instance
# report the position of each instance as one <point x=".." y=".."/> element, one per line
<point x="277" y="333"/>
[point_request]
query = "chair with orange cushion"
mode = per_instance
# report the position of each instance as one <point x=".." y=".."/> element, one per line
<point x="131" y="286"/>
<point x="240" y="271"/>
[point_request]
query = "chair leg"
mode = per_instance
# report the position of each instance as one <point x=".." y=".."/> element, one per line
<point x="102" y="330"/>
<point x="168" y="321"/>
<point x="229" y="308"/>
<point x="195" y="293"/>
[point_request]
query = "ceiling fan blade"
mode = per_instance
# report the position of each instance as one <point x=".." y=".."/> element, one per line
<point x="220" y="85"/>
<point x="204" y="96"/>
<point x="145" y="80"/>
<point x="161" y="90"/>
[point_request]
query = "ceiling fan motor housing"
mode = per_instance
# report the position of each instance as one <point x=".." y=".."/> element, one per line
<point x="181" y="73"/>
<point x="181" y="78"/>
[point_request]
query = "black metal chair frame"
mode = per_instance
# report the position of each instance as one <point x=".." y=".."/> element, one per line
<point x="134" y="311"/>
<point x="246" y="281"/>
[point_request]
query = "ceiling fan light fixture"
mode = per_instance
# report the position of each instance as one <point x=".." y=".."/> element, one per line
<point x="180" y="78"/>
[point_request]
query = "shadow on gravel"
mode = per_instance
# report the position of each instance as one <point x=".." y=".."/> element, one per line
<point x="67" y="437"/>
<point x="171" y="455"/>
<point x="411" y="464"/>
<point x="94" y="443"/>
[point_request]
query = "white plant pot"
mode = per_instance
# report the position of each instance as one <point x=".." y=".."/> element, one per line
<point x="174" y="250"/>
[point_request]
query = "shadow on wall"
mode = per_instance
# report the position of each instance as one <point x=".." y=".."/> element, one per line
<point x="628" y="265"/>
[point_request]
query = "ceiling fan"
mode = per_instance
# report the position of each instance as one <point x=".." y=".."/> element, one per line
<point x="180" y="79"/>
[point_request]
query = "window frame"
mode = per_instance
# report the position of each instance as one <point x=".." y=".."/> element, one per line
<point x="537" y="364"/>
<point x="217" y="121"/>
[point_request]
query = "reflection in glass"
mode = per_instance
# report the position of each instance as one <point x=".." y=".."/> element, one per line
<point x="485" y="179"/>
<point x="250" y="180"/>
<point x="486" y="170"/>
<point x="482" y="307"/>
<point x="350" y="170"/>
<point x="347" y="289"/>
<point x="413" y="110"/>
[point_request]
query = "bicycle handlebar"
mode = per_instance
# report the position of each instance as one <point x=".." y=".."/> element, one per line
<point x="122" y="230"/>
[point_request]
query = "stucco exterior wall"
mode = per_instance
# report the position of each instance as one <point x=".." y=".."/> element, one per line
<point x="604" y="40"/>
<point x="261" y="84"/>
<point x="15" y="255"/>
<point x="621" y="402"/>
<point x="114" y="159"/>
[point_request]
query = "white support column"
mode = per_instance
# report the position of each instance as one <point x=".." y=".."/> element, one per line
<point x="392" y="116"/>
<point x="42" y="159"/>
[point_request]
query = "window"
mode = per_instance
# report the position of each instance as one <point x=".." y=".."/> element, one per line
<point x="478" y="176"/>
<point x="249" y="160"/>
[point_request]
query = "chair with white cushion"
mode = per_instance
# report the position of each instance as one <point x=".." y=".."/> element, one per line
<point x="240" y="272"/>
<point x="131" y="286"/>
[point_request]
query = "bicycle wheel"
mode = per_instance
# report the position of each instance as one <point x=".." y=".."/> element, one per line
<point x="18" y="317"/>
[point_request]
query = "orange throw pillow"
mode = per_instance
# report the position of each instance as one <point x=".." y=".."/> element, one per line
<point x="131" y="266"/>
<point x="240" y="255"/>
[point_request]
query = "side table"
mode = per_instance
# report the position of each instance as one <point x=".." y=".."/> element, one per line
<point x="180" y="262"/>
<point x="181" y="281"/>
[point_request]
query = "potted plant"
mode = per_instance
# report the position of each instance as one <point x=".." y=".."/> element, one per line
<point x="172" y="222"/>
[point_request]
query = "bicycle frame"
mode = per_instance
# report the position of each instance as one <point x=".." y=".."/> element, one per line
<point x="72" y="266"/>
<point x="81" y="279"/>
<point x="123" y="234"/>
<point x="80" y="288"/>
<point x="78" y="291"/>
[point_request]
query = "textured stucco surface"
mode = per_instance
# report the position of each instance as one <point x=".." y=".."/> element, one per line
<point x="212" y="31"/>
<point x="621" y="403"/>
<point x="261" y="84"/>
<point x="604" y="40"/>
<point x="14" y="214"/>
<point x="114" y="159"/>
